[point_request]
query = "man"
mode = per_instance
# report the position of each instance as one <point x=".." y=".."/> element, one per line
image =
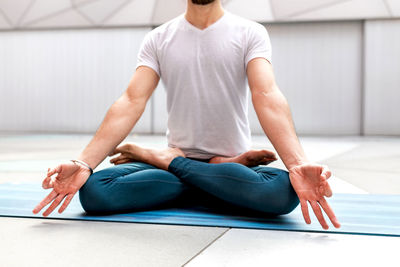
<point x="203" y="58"/>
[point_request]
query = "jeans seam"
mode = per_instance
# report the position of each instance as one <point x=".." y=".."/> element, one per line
<point x="143" y="181"/>
<point x="226" y="176"/>
<point x="116" y="174"/>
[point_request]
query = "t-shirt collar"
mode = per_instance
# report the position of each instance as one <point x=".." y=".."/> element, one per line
<point x="194" y="28"/>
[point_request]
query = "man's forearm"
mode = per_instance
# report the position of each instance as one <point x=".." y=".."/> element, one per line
<point x="275" y="118"/>
<point x="118" y="122"/>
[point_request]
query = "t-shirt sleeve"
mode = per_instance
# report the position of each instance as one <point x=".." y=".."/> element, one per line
<point x="258" y="44"/>
<point x="148" y="53"/>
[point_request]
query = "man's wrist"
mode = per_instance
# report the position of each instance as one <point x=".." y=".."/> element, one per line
<point x="296" y="163"/>
<point x="84" y="164"/>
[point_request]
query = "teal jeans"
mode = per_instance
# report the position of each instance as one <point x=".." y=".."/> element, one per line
<point x="139" y="186"/>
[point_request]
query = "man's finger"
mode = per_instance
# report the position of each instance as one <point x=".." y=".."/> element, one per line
<point x="328" y="210"/>
<point x="51" y="172"/>
<point x="115" y="151"/>
<point x="66" y="203"/>
<point x="269" y="153"/>
<point x="304" y="210"/>
<point x="318" y="213"/>
<point x="54" y="205"/>
<point x="45" y="201"/>
<point x="46" y="182"/>
<point x="266" y="162"/>
<point x="122" y="161"/>
<point x="116" y="160"/>
<point x="326" y="173"/>
<point x="328" y="190"/>
<point x="121" y="157"/>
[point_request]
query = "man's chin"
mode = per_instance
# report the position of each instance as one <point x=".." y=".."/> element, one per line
<point x="202" y="2"/>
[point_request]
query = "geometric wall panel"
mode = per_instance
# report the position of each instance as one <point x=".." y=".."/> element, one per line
<point x="258" y="10"/>
<point x="167" y="10"/>
<point x="100" y="10"/>
<point x="43" y="8"/>
<point x="14" y="9"/>
<point x="287" y="8"/>
<point x="78" y="2"/>
<point x="150" y="13"/>
<point x="394" y="6"/>
<point x="69" y="18"/>
<point x="4" y="24"/>
<point x="135" y="12"/>
<point x="355" y="9"/>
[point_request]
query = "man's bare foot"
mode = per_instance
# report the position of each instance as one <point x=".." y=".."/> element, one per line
<point x="250" y="158"/>
<point x="158" y="158"/>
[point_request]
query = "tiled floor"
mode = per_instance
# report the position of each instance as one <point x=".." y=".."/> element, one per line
<point x="364" y="165"/>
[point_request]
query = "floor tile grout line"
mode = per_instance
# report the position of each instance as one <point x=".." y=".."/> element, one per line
<point x="206" y="247"/>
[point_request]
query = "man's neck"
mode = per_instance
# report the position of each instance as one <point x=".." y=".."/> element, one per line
<point x="203" y="16"/>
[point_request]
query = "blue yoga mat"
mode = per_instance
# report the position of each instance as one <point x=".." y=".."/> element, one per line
<point x="358" y="214"/>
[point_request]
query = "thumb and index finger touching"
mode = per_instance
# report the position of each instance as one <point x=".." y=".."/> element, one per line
<point x="47" y="182"/>
<point x="326" y="191"/>
<point x="325" y="175"/>
<point x="325" y="172"/>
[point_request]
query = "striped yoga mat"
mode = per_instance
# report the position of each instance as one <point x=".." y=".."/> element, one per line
<point x="359" y="214"/>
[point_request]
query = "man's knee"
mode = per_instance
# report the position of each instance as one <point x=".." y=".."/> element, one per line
<point x="290" y="199"/>
<point x="283" y="198"/>
<point x="91" y="195"/>
<point x="289" y="204"/>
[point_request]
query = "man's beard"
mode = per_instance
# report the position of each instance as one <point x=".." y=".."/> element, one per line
<point x="202" y="2"/>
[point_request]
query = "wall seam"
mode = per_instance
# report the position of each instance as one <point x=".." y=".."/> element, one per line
<point x="389" y="10"/>
<point x="115" y="12"/>
<point x="26" y="11"/>
<point x="6" y="18"/>
<point x="362" y="79"/>
<point x="308" y="10"/>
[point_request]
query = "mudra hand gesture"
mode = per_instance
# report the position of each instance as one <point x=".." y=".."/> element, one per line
<point x="310" y="183"/>
<point x="70" y="177"/>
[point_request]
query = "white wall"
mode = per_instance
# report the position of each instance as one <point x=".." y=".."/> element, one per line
<point x="64" y="81"/>
<point x="382" y="77"/>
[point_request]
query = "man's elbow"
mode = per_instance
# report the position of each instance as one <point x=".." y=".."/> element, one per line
<point x="258" y="93"/>
<point x="134" y="100"/>
<point x="272" y="99"/>
<point x="128" y="105"/>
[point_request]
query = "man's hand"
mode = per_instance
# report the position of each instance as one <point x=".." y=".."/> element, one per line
<point x="310" y="183"/>
<point x="69" y="179"/>
<point x="125" y="154"/>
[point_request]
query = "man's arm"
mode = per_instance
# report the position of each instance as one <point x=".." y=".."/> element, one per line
<point x="121" y="117"/>
<point x="273" y="112"/>
<point x="307" y="179"/>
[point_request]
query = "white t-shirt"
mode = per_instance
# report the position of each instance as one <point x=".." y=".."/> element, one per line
<point x="204" y="74"/>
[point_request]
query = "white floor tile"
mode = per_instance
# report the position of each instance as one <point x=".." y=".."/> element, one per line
<point x="37" y="242"/>
<point x="254" y="248"/>
<point x="341" y="186"/>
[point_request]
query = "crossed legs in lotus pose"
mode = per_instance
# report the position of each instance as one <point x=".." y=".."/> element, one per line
<point x="147" y="178"/>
